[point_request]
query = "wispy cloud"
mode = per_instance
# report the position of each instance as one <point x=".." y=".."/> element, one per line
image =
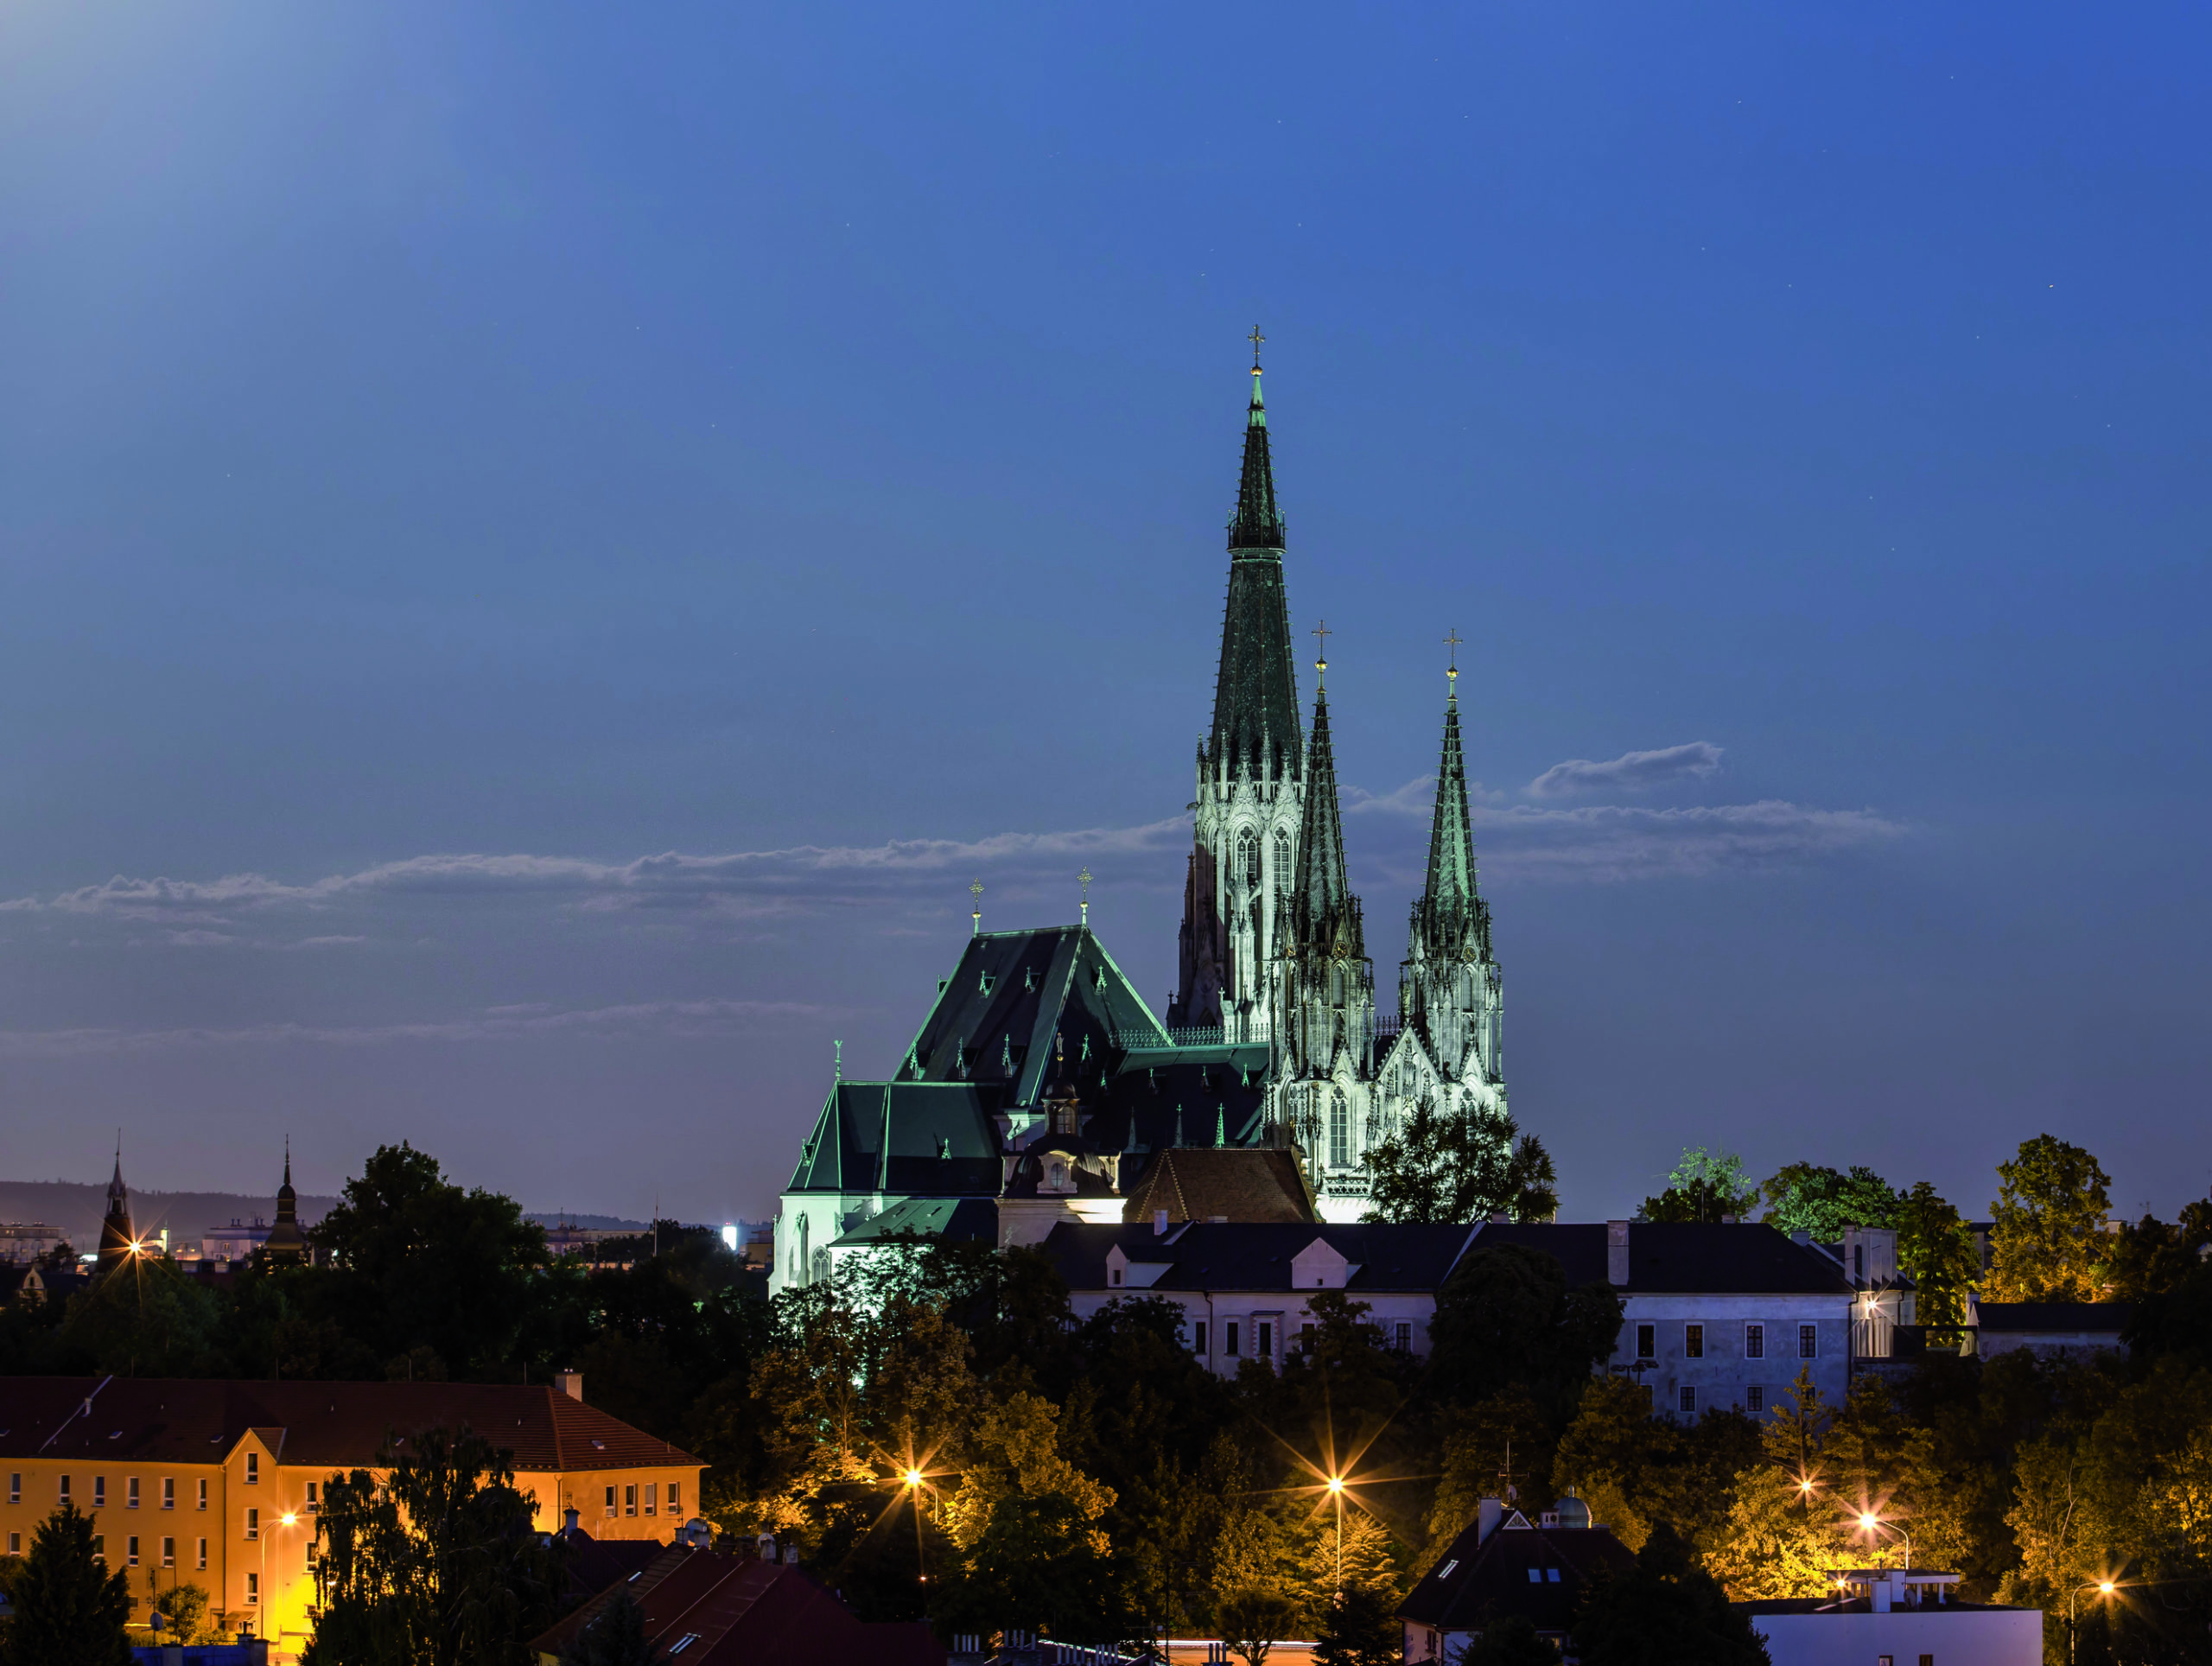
<point x="1632" y="772"/>
<point x="678" y="1019"/>
<point x="1615" y="842"/>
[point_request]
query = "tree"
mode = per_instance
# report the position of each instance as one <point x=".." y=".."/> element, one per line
<point x="1027" y="1520"/>
<point x="614" y="1636"/>
<point x="1703" y="1187"/>
<point x="1936" y="1250"/>
<point x="1443" y="1165"/>
<point x="142" y="1317"/>
<point x="418" y="1263"/>
<point x="70" y="1611"/>
<point x="1665" y="1611"/>
<point x="1804" y="1198"/>
<point x="1359" y="1628"/>
<point x="2151" y="1257"/>
<point x="1506" y="1315"/>
<point x="1507" y="1432"/>
<point x="2046" y="1236"/>
<point x="1254" y="1620"/>
<point x="1637" y="1471"/>
<point x="1512" y="1641"/>
<point x="180" y="1611"/>
<point x="438" y="1565"/>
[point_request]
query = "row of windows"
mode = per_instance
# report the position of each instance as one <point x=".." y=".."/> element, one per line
<point x="65" y="1485"/>
<point x="1696" y="1338"/>
<point x="1400" y="1333"/>
<point x="1686" y="1402"/>
<point x="629" y="1505"/>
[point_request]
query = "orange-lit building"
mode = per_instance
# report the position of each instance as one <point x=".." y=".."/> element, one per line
<point x="218" y="1484"/>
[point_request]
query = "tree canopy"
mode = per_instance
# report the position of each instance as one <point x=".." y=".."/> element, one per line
<point x="1703" y="1187"/>
<point x="2046" y="1238"/>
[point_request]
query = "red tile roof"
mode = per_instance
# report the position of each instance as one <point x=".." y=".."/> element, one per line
<point x="706" y="1609"/>
<point x="323" y="1425"/>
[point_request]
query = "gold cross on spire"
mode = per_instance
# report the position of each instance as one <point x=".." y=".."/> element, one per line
<point x="1453" y="642"/>
<point x="977" y="889"/>
<point x="1256" y="338"/>
<point x="1322" y="632"/>
<point x="1085" y="877"/>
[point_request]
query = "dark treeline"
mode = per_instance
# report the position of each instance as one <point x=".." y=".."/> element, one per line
<point x="943" y="1440"/>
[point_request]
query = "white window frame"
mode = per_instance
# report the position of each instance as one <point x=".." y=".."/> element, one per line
<point x="1755" y="1339"/>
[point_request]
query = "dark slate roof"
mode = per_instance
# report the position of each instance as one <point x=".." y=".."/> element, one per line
<point x="1161" y="1096"/>
<point x="934" y="1138"/>
<point x="1247" y="1255"/>
<point x="1685" y="1257"/>
<point x="2098" y="1317"/>
<point x="1480" y="1580"/>
<point x="975" y="1219"/>
<point x="340" y="1425"/>
<point x="707" y="1609"/>
<point x="1012" y="992"/>
<point x="1264" y="1185"/>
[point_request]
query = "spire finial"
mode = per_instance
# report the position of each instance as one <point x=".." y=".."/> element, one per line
<point x="1256" y="338"/>
<point x="1452" y="641"/>
<point x="977" y="890"/>
<point x="1085" y="877"/>
<point x="837" y="1061"/>
<point x="1322" y="633"/>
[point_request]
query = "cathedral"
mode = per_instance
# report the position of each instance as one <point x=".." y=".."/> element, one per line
<point x="1041" y="1087"/>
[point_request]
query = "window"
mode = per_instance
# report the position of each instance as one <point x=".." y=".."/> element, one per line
<point x="1928" y="1660"/>
<point x="1755" y="1400"/>
<point x="1265" y="1350"/>
<point x="1755" y="1342"/>
<point x="253" y="1523"/>
<point x="15" y="1544"/>
<point x="610" y="1501"/>
<point x="200" y="1560"/>
<point x="1114" y="1275"/>
<point x="314" y="1502"/>
<point x="1693" y="1341"/>
<point x="253" y="1469"/>
<point x="1646" y="1387"/>
<point x="169" y="1493"/>
<point x="1306" y="1338"/>
<point x="1248" y="858"/>
<point x="675" y="1493"/>
<point x="1647" y="1341"/>
<point x="1689" y="1401"/>
<point x="168" y="1553"/>
<point x="1282" y="858"/>
<point x="1198" y="1336"/>
<point x="1552" y="1575"/>
<point x="130" y="1549"/>
<point x="100" y="1546"/>
<point x="1339" y="1131"/>
<point x="1535" y="1576"/>
<point x="630" y="1500"/>
<point x="1231" y="1338"/>
<point x="1808" y="1342"/>
<point x="1402" y="1338"/>
<point x="203" y="1497"/>
<point x="99" y="1492"/>
<point x="652" y="1498"/>
<point x="252" y="1589"/>
<point x="1885" y="1660"/>
<point x="15" y="1487"/>
<point x="131" y="1493"/>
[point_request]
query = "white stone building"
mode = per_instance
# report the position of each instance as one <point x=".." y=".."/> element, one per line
<point x="1896" y="1615"/>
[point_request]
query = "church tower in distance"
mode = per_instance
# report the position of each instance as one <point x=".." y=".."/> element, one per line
<point x="1449" y="1049"/>
<point x="1250" y="769"/>
<point x="1321" y="1072"/>
<point x="119" y="1241"/>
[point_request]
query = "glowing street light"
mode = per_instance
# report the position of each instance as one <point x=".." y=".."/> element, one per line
<point x="913" y="1477"/>
<point x="1870" y="1524"/>
<point x="2103" y="1588"/>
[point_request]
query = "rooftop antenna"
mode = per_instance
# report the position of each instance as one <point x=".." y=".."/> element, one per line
<point x="977" y="889"/>
<point x="1085" y="877"/>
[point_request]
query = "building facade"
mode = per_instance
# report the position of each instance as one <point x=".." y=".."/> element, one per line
<point x="219" y="1484"/>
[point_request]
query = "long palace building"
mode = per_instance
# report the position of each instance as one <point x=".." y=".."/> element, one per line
<point x="1041" y="1087"/>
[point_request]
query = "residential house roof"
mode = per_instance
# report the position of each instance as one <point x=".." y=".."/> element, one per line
<point x="1538" y="1571"/>
<point x="1257" y="1256"/>
<point x="1261" y="1183"/>
<point x="1683" y="1257"/>
<point x="706" y="1609"/>
<point x="322" y="1425"/>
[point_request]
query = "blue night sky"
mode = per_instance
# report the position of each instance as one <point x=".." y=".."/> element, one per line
<point x="542" y="548"/>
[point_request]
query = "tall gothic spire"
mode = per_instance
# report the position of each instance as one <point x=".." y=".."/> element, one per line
<point x="1450" y="918"/>
<point x="1324" y="913"/>
<point x="1255" y="728"/>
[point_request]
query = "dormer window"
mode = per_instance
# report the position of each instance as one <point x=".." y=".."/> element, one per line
<point x="990" y="982"/>
<point x="1059" y="1177"/>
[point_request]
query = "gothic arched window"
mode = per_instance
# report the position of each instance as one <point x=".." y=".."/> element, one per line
<point x="1248" y="858"/>
<point x="1339" y="1130"/>
<point x="1282" y="861"/>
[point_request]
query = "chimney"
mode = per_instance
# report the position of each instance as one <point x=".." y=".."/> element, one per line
<point x="1159" y="1223"/>
<point x="569" y="1517"/>
<point x="570" y="1383"/>
<point x="1617" y="1254"/>
<point x="1491" y="1513"/>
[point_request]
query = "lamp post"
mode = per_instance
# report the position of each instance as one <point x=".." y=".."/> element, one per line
<point x="1870" y="1524"/>
<point x="913" y="1479"/>
<point x="261" y="1620"/>
<point x="1337" y="1492"/>
<point x="2103" y="1588"/>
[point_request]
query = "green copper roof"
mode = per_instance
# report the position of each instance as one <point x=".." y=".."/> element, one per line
<point x="1324" y="913"/>
<point x="1451" y="917"/>
<point x="1255" y="724"/>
